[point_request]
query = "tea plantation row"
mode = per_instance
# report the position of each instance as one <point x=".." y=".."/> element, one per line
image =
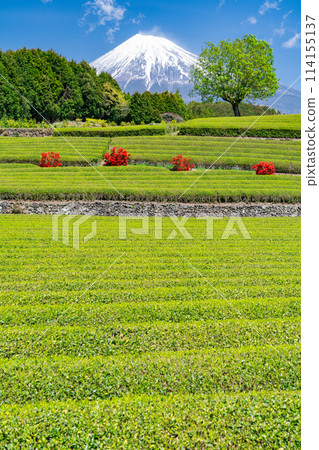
<point x="221" y="152"/>
<point x="22" y="181"/>
<point x="204" y="151"/>
<point x="202" y="371"/>
<point x="250" y="420"/>
<point x="286" y="126"/>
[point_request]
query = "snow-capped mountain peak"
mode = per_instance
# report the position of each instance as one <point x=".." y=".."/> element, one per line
<point x="155" y="64"/>
<point x="146" y="62"/>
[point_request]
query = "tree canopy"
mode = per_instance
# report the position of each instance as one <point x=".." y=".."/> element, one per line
<point x="234" y="71"/>
<point x="148" y="107"/>
<point x="59" y="89"/>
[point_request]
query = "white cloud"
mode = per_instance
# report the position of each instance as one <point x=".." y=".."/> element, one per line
<point x="46" y="1"/>
<point x="137" y="20"/>
<point x="269" y="5"/>
<point x="221" y="3"/>
<point x="281" y="30"/>
<point x="110" y="33"/>
<point x="103" y="12"/>
<point x="252" y="20"/>
<point x="288" y="14"/>
<point x="293" y="42"/>
<point x="155" y="31"/>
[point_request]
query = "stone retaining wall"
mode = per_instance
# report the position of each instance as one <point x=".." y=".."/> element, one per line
<point x="26" y="132"/>
<point x="115" y="208"/>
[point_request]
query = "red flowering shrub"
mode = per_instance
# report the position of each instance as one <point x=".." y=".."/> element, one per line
<point x="117" y="157"/>
<point x="50" y="159"/>
<point x="264" y="168"/>
<point x="180" y="163"/>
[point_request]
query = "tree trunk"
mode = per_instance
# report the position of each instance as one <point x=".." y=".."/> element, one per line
<point x="236" y="109"/>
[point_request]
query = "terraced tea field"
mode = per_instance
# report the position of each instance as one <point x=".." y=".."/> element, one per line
<point x="83" y="151"/>
<point x="23" y="181"/>
<point x="266" y="127"/>
<point x="151" y="343"/>
<point x="145" y="343"/>
<point x="204" y="151"/>
<point x="285" y="126"/>
<point x="287" y="122"/>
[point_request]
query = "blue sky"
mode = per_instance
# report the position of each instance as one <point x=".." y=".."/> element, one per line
<point x="87" y="29"/>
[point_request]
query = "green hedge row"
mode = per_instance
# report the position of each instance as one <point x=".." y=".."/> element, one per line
<point x="234" y="132"/>
<point x="288" y="122"/>
<point x="111" y="132"/>
<point x="253" y="421"/>
<point x="145" y="337"/>
<point x="183" y="131"/>
<point x="172" y="311"/>
<point x="144" y="183"/>
<point x="55" y="295"/>
<point x="235" y="370"/>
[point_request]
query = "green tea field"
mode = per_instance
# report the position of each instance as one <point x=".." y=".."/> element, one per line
<point x="27" y="181"/>
<point x="144" y="343"/>
<point x="287" y="122"/>
<point x="278" y="126"/>
<point x="148" y="342"/>
<point x="150" y="283"/>
<point x="204" y="151"/>
<point x="285" y="126"/>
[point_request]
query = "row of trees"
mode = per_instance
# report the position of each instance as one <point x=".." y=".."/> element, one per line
<point x="65" y="90"/>
<point x="57" y="88"/>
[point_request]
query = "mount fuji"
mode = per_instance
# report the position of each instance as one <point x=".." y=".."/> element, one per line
<point x="155" y="64"/>
<point x="148" y="63"/>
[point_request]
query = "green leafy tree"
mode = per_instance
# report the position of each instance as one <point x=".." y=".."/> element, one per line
<point x="156" y="116"/>
<point x="115" y="103"/>
<point x="141" y="107"/>
<point x="234" y="71"/>
<point x="148" y="107"/>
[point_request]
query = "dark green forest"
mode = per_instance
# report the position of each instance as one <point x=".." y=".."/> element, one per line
<point x="65" y="90"/>
<point x="57" y="88"/>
